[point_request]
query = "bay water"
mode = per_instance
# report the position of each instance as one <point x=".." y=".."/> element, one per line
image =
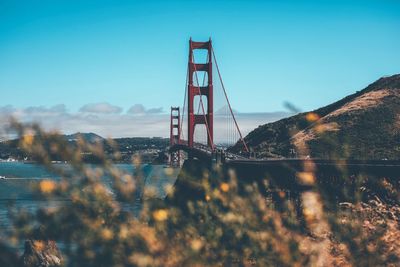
<point x="16" y="188"/>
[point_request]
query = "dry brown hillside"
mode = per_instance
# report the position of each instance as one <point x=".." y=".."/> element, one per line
<point x="364" y="125"/>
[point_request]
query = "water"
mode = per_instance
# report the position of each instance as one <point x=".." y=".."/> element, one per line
<point x="21" y="178"/>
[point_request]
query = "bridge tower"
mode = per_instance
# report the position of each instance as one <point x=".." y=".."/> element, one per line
<point x="198" y="90"/>
<point x="175" y="135"/>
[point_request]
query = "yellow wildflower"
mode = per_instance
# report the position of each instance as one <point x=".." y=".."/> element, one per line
<point x="28" y="139"/>
<point x="39" y="245"/>
<point x="107" y="234"/>
<point x="311" y="117"/>
<point x="160" y="215"/>
<point x="196" y="244"/>
<point x="307" y="178"/>
<point x="224" y="187"/>
<point x="47" y="186"/>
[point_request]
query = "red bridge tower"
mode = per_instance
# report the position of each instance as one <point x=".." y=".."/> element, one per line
<point x="194" y="90"/>
<point x="175" y="135"/>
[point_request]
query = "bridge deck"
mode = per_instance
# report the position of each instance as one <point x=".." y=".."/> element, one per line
<point x="204" y="153"/>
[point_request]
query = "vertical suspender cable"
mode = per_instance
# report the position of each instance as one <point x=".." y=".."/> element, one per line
<point x="229" y="105"/>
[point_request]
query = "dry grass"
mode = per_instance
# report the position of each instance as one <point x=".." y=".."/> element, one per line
<point x="328" y="124"/>
<point x="365" y="101"/>
<point x="229" y="226"/>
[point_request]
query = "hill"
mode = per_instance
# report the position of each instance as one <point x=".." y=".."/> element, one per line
<point x="88" y="137"/>
<point x="148" y="148"/>
<point x="364" y="125"/>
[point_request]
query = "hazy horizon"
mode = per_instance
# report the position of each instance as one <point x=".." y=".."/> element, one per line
<point x="121" y="125"/>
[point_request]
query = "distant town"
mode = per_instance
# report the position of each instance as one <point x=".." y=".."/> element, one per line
<point x="149" y="149"/>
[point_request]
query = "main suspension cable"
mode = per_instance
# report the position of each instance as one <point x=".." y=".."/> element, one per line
<point x="184" y="106"/>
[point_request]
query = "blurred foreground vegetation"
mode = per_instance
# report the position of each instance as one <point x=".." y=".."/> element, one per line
<point x="231" y="225"/>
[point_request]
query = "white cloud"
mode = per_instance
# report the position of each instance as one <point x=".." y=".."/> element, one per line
<point x="152" y="122"/>
<point x="43" y="111"/>
<point x="154" y="110"/>
<point x="6" y="110"/>
<point x="103" y="107"/>
<point x="139" y="109"/>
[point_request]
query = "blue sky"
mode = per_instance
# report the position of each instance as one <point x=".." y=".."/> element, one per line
<point x="309" y="53"/>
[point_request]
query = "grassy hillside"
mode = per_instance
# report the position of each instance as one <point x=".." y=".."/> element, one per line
<point x="364" y="125"/>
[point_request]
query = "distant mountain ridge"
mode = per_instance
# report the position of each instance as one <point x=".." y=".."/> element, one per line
<point x="88" y="137"/>
<point x="148" y="148"/>
<point x="363" y="125"/>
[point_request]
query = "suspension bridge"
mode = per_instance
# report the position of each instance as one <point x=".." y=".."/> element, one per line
<point x="206" y="125"/>
<point x="208" y="132"/>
